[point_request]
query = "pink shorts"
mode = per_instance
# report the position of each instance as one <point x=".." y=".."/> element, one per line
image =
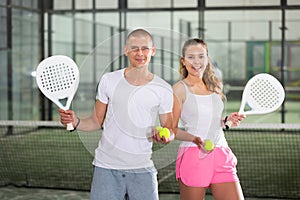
<point x="219" y="166"/>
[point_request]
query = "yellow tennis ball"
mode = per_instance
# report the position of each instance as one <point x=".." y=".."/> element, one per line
<point x="209" y="145"/>
<point x="163" y="132"/>
<point x="158" y="128"/>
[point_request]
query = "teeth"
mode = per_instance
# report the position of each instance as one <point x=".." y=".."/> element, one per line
<point x="196" y="67"/>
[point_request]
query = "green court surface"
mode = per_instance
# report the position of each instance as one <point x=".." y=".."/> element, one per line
<point x="13" y="193"/>
<point x="54" y="158"/>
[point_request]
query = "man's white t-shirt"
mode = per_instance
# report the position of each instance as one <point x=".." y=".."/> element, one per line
<point x="132" y="112"/>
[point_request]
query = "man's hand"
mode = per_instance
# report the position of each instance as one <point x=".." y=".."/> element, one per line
<point x="67" y="116"/>
<point x="156" y="137"/>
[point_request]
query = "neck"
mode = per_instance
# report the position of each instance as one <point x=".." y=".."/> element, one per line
<point x="138" y="75"/>
<point x="194" y="80"/>
<point x="197" y="85"/>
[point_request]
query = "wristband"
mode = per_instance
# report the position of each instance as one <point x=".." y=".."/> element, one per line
<point x="76" y="125"/>
<point x="225" y="120"/>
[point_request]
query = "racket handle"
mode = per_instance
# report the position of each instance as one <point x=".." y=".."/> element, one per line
<point x="70" y="127"/>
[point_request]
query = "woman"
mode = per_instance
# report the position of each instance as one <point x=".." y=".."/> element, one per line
<point x="198" y="103"/>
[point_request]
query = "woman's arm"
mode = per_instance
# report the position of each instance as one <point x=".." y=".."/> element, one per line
<point x="179" y="98"/>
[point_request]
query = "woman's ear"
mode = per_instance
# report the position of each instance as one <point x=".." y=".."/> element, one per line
<point x="182" y="61"/>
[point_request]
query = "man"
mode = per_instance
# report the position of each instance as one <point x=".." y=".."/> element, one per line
<point x="127" y="104"/>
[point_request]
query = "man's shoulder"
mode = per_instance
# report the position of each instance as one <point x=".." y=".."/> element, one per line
<point x="162" y="82"/>
<point x="113" y="74"/>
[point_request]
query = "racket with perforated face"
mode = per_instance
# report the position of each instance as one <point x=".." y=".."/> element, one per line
<point x="58" y="78"/>
<point x="263" y="94"/>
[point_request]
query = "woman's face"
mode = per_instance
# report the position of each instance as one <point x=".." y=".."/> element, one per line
<point x="195" y="59"/>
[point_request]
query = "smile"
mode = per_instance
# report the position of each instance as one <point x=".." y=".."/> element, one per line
<point x="196" y="67"/>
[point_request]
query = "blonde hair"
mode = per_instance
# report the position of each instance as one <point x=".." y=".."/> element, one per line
<point x="212" y="82"/>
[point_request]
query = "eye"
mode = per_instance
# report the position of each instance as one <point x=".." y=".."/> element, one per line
<point x="134" y="48"/>
<point x="145" y="48"/>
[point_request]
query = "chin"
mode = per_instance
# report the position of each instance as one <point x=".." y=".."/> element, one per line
<point x="140" y="65"/>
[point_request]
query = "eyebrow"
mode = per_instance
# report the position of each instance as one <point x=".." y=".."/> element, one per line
<point x="192" y="54"/>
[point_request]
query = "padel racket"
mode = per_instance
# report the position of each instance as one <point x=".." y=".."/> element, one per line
<point x="58" y="78"/>
<point x="263" y="94"/>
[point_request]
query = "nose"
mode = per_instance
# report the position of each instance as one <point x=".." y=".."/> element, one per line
<point x="197" y="60"/>
<point x="140" y="51"/>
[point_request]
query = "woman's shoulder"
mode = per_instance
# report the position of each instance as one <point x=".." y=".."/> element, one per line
<point x="179" y="86"/>
<point x="179" y="89"/>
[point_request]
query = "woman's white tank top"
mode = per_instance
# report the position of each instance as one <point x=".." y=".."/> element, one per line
<point x="201" y="116"/>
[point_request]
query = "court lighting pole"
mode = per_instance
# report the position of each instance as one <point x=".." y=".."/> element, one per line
<point x="9" y="64"/>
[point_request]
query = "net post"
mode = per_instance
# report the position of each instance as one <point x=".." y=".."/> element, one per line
<point x="9" y="130"/>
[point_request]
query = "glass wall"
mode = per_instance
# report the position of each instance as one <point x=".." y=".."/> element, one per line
<point x="20" y="54"/>
<point x="3" y="63"/>
<point x="229" y="3"/>
<point x="25" y="56"/>
<point x="228" y="38"/>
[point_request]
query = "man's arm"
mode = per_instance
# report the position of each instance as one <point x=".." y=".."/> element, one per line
<point x="92" y="123"/>
<point x="166" y="121"/>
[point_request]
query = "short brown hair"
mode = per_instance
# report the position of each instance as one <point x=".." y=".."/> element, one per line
<point x="139" y="32"/>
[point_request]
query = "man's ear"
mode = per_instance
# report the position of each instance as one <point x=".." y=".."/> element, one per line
<point x="153" y="51"/>
<point x="125" y="51"/>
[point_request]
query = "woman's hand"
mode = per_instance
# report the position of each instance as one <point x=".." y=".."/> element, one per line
<point x="235" y="118"/>
<point x="198" y="141"/>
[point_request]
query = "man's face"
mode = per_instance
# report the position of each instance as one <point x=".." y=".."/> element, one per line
<point x="139" y="50"/>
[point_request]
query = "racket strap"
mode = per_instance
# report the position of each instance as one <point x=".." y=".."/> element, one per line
<point x="227" y="126"/>
<point x="78" y="122"/>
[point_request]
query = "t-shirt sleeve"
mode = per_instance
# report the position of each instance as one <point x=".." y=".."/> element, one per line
<point x="102" y="90"/>
<point x="166" y="100"/>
